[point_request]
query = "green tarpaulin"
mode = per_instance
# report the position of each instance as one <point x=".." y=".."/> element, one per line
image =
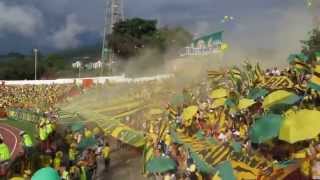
<point x="265" y="128"/>
<point x="160" y="164"/>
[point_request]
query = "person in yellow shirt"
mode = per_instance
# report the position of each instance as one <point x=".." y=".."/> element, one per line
<point x="4" y="151"/>
<point x="106" y="154"/>
<point x="57" y="160"/>
<point x="87" y="133"/>
<point x="167" y="142"/>
<point x="72" y="154"/>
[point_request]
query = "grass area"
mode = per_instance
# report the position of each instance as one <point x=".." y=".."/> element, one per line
<point x="28" y="127"/>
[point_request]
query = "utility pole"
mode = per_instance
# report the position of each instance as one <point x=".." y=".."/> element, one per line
<point x="114" y="14"/>
<point x="35" y="62"/>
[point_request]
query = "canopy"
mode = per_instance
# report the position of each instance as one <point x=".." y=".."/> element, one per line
<point x="265" y="128"/>
<point x="300" y="125"/>
<point x="219" y="93"/>
<point x="255" y="93"/>
<point x="280" y="98"/>
<point x="245" y="103"/>
<point x="47" y="173"/>
<point x="188" y="114"/>
<point x="160" y="164"/>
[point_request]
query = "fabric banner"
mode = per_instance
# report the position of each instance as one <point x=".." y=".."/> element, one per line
<point x="277" y="82"/>
<point x="24" y="115"/>
<point x="208" y="40"/>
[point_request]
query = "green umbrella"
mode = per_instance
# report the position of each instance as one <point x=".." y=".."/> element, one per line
<point x="77" y="126"/>
<point x="200" y="135"/>
<point x="255" y="93"/>
<point x="265" y="128"/>
<point x="160" y="165"/>
<point x="47" y="173"/>
<point x="279" y="100"/>
<point x="87" y="142"/>
<point x="177" y="100"/>
<point x="201" y="165"/>
<point x="236" y="146"/>
<point x="299" y="57"/>
<point x="225" y="171"/>
<point x="231" y="102"/>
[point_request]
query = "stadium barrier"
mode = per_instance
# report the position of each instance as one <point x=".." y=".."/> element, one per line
<point x="19" y="114"/>
<point x="95" y="80"/>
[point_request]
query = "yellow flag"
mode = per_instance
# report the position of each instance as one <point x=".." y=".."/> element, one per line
<point x="224" y="46"/>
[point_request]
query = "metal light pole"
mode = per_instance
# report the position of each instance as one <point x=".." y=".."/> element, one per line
<point x="79" y="71"/>
<point x="35" y="62"/>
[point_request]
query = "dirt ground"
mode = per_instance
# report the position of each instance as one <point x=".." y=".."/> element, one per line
<point x="125" y="164"/>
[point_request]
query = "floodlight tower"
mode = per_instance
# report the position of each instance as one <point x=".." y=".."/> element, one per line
<point x="114" y="14"/>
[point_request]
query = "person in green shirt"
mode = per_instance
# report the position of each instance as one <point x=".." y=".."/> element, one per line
<point x="4" y="151"/>
<point x="27" y="145"/>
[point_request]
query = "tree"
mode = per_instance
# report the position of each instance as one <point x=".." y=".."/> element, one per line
<point x="133" y="36"/>
<point x="312" y="45"/>
<point x="129" y="37"/>
<point x="175" y="39"/>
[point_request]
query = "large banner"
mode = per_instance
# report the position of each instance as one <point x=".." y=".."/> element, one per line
<point x="208" y="44"/>
<point x="24" y="115"/>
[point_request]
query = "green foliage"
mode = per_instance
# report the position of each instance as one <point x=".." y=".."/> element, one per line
<point x="133" y="36"/>
<point x="312" y="45"/>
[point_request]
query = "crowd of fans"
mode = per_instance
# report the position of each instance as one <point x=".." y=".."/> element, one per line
<point x="38" y="97"/>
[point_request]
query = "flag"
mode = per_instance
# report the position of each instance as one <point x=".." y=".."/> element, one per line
<point x="258" y="74"/>
<point x="314" y="82"/>
<point x="147" y="155"/>
<point x="224" y="46"/>
<point x="235" y="73"/>
<point x="299" y="62"/>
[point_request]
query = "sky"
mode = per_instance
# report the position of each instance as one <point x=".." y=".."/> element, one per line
<point x="268" y="29"/>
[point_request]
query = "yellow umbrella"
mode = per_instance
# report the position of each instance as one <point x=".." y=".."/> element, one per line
<point x="245" y="103"/>
<point x="188" y="114"/>
<point x="300" y="125"/>
<point x="219" y="93"/>
<point x="116" y="132"/>
<point x="218" y="102"/>
<point x="279" y="96"/>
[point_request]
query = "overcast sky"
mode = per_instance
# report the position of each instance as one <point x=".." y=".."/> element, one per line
<point x="261" y="28"/>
